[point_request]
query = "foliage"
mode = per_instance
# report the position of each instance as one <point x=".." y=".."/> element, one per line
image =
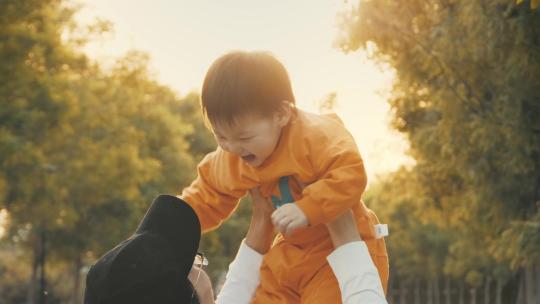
<point x="82" y="150"/>
<point x="467" y="96"/>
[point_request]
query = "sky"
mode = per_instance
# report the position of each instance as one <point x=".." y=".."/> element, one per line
<point x="184" y="37"/>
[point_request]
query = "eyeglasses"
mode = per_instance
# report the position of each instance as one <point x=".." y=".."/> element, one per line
<point x="199" y="262"/>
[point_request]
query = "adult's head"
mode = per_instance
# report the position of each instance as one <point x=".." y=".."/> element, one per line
<point x="152" y="265"/>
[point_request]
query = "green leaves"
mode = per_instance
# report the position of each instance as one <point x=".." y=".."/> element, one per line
<point x="466" y="94"/>
<point x="533" y="3"/>
<point x="83" y="151"/>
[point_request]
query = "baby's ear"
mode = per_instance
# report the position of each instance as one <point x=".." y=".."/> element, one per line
<point x="284" y="113"/>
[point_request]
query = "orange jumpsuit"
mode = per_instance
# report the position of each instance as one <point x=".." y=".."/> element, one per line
<point x="327" y="177"/>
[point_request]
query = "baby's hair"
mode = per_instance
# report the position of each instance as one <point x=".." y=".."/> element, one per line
<point x="240" y="83"/>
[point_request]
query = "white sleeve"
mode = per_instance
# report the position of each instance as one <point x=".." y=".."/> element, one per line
<point x="360" y="284"/>
<point x="242" y="278"/>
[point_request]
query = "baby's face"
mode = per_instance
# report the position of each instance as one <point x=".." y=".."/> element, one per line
<point x="252" y="137"/>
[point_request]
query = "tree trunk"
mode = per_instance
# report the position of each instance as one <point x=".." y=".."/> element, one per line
<point x="537" y="283"/>
<point x="75" y="297"/>
<point x="529" y="285"/>
<point x="498" y="296"/>
<point x="390" y="296"/>
<point x="473" y="295"/>
<point x="521" y="289"/>
<point x="403" y="295"/>
<point x="447" y="291"/>
<point x="416" y="291"/>
<point x="42" y="281"/>
<point x="487" y="290"/>
<point x="31" y="294"/>
<point x="461" y="293"/>
<point x="429" y="287"/>
<point x="437" y="290"/>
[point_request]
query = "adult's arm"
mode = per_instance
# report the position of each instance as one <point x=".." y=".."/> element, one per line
<point x="352" y="265"/>
<point x="357" y="276"/>
<point x="359" y="284"/>
<point x="243" y="276"/>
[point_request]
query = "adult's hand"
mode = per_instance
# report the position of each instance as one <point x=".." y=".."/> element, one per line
<point x="261" y="231"/>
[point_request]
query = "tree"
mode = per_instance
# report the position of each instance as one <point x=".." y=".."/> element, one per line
<point x="466" y="95"/>
<point x="35" y="67"/>
<point x="83" y="151"/>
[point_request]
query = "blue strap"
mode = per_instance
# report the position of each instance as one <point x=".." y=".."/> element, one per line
<point x="285" y="191"/>
<point x="276" y="201"/>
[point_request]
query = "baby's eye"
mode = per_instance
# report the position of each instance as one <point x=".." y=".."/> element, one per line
<point x="246" y="138"/>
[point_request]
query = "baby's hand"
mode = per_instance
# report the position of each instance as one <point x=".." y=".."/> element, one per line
<point x="289" y="217"/>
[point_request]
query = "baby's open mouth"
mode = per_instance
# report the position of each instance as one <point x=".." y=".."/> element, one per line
<point x="248" y="158"/>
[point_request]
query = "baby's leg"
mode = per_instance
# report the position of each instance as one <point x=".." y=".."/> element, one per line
<point x="289" y="269"/>
<point x="322" y="289"/>
<point x="271" y="292"/>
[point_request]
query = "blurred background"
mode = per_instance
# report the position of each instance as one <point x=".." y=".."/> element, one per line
<point x="99" y="113"/>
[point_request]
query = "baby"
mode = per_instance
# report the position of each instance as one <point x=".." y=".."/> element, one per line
<point x="307" y="164"/>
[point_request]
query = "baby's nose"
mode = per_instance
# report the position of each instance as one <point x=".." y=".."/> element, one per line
<point x="231" y="147"/>
<point x="236" y="149"/>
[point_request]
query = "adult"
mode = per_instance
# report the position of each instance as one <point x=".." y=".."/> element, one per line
<point x="351" y="262"/>
<point x="152" y="265"/>
<point x="155" y="264"/>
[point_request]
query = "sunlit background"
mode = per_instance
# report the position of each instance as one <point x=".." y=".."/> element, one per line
<point x="91" y="131"/>
<point x="184" y="37"/>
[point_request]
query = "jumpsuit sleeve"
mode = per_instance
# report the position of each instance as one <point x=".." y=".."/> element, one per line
<point x="341" y="176"/>
<point x="213" y="194"/>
